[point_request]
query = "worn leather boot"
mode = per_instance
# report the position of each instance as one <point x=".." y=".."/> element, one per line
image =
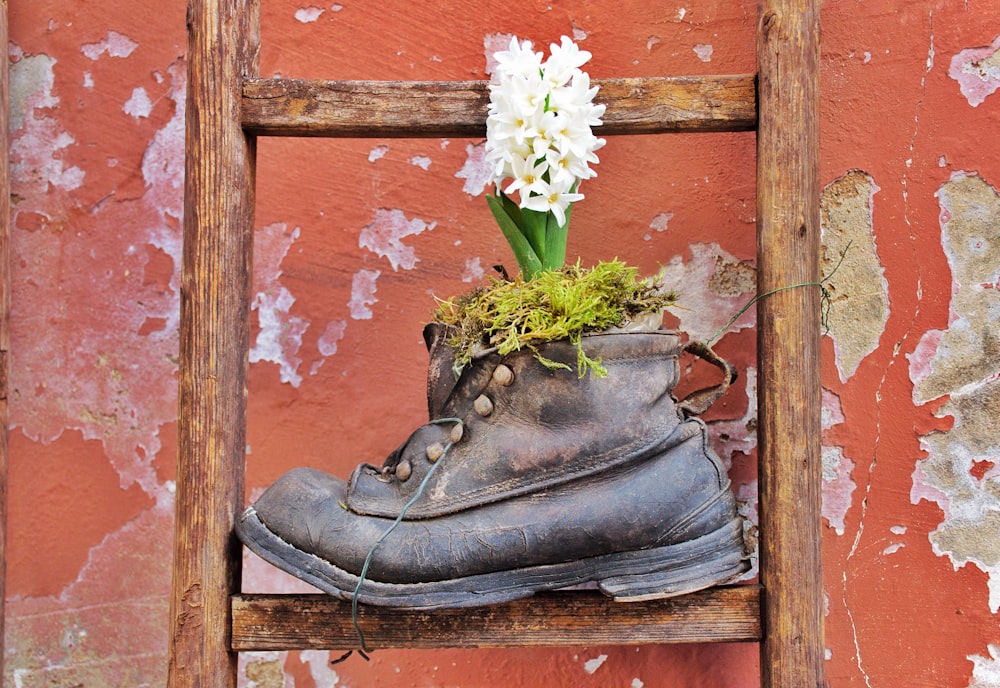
<point x="527" y="478"/>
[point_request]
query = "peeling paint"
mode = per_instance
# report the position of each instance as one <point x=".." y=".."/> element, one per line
<point x="263" y="670"/>
<point x="968" y="352"/>
<point x="133" y="393"/>
<point x="473" y="271"/>
<point x="838" y="487"/>
<point x="91" y="609"/>
<point x="493" y="43"/>
<point x="739" y="436"/>
<point x="384" y="237"/>
<point x="703" y="313"/>
<point x="333" y="333"/>
<point x="38" y="140"/>
<point x="986" y="670"/>
<point x="363" y="288"/>
<point x="704" y="51"/>
<point x="963" y="362"/>
<point x="307" y="15"/>
<point x="661" y="221"/>
<point x="114" y="44"/>
<point x="319" y="668"/>
<point x="859" y="293"/>
<point x="592" y="665"/>
<point x="377" y="153"/>
<point x="475" y="171"/>
<point x="138" y="105"/>
<point x="421" y="161"/>
<point x="280" y="336"/>
<point x="977" y="71"/>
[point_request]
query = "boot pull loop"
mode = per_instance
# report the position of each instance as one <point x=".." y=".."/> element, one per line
<point x="696" y="403"/>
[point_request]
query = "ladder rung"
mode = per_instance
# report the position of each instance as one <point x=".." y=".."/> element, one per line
<point x="284" y="622"/>
<point x="422" y="109"/>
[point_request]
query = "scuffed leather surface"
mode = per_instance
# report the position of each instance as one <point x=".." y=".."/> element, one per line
<point x="676" y="495"/>
<point x="548" y="428"/>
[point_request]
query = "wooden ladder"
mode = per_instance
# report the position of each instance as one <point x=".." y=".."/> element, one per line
<point x="228" y="106"/>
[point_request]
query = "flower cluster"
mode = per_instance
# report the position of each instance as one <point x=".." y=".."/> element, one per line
<point x="539" y="136"/>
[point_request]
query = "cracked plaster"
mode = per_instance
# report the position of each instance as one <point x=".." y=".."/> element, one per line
<point x="963" y="362"/>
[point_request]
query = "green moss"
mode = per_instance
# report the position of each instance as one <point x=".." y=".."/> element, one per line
<point x="557" y="304"/>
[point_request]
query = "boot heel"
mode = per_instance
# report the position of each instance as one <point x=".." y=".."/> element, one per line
<point x="686" y="567"/>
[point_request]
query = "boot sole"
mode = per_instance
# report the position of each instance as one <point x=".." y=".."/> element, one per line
<point x="654" y="573"/>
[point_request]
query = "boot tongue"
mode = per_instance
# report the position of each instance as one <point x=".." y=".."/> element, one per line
<point x="441" y="378"/>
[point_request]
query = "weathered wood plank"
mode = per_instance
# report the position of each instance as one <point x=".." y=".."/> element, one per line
<point x="280" y="622"/>
<point x="650" y="105"/>
<point x="5" y="286"/>
<point x="788" y="340"/>
<point x="214" y="341"/>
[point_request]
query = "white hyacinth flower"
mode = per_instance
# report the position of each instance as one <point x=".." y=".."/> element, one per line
<point x="539" y="135"/>
<point x="544" y="110"/>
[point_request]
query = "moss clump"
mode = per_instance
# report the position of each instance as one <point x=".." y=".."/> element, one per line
<point x="557" y="304"/>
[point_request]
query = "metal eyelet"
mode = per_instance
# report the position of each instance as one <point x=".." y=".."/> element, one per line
<point x="404" y="469"/>
<point x="483" y="405"/>
<point x="434" y="451"/>
<point x="503" y="375"/>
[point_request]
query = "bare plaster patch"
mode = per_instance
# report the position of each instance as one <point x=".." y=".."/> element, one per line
<point x="703" y="313"/>
<point x="968" y="351"/>
<point x="492" y="43"/>
<point x="262" y="670"/>
<point x="592" y="665"/>
<point x="475" y="171"/>
<point x="838" y="487"/>
<point x="138" y="105"/>
<point x="307" y="15"/>
<point x="363" y="288"/>
<point x="280" y="337"/>
<point x="38" y="140"/>
<point x="963" y="362"/>
<point x="859" y="292"/>
<point x="977" y="71"/>
<point x="114" y="44"/>
<point x="92" y="648"/>
<point x="384" y="237"/>
<point x="319" y="668"/>
<point x="109" y="375"/>
<point x="661" y="222"/>
<point x="986" y="670"/>
<point x="739" y="436"/>
<point x="704" y="51"/>
<point x="473" y="271"/>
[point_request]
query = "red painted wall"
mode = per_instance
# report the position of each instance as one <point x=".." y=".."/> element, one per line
<point x="356" y="239"/>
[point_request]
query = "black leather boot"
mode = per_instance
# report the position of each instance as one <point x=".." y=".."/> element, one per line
<point x="527" y="478"/>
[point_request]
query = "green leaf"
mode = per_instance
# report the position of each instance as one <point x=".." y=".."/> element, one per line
<point x="512" y="208"/>
<point x="527" y="259"/>
<point x="555" y="241"/>
<point x="533" y="224"/>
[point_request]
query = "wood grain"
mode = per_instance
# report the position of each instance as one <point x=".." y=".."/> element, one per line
<point x="289" y="107"/>
<point x="788" y="341"/>
<point x="5" y="286"/>
<point x="214" y="341"/>
<point x="280" y="622"/>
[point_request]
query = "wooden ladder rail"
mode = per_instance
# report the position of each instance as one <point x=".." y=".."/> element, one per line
<point x="228" y="106"/>
<point x="5" y="286"/>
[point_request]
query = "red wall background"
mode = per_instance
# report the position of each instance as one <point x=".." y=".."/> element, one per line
<point x="356" y="239"/>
